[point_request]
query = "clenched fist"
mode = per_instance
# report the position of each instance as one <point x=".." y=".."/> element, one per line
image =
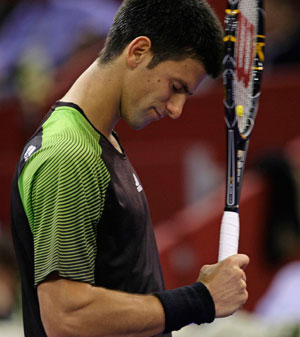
<point x="226" y="282"/>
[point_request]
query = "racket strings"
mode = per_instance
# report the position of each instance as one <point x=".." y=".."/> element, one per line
<point x="245" y="50"/>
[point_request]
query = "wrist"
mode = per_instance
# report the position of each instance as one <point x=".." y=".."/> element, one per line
<point x="185" y="305"/>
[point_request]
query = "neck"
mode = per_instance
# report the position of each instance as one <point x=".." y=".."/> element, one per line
<point x="97" y="91"/>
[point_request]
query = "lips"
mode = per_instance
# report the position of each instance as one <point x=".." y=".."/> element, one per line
<point x="159" y="114"/>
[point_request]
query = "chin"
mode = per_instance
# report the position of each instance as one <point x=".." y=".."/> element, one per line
<point x="139" y="125"/>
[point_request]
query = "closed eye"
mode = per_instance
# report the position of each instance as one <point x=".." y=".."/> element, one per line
<point x="181" y="89"/>
<point x="178" y="89"/>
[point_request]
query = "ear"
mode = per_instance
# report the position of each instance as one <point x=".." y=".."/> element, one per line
<point x="138" y="50"/>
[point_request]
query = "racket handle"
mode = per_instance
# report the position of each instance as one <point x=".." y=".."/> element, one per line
<point x="229" y="235"/>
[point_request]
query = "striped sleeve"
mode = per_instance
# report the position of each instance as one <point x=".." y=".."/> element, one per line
<point x="67" y="195"/>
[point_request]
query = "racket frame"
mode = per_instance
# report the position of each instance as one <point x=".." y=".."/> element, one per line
<point x="237" y="141"/>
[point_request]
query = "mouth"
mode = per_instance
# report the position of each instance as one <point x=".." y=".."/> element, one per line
<point x="159" y="114"/>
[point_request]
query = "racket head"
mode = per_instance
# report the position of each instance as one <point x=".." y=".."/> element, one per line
<point x="243" y="63"/>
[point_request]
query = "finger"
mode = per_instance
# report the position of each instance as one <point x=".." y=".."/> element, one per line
<point x="241" y="274"/>
<point x="205" y="268"/>
<point x="245" y="297"/>
<point x="243" y="286"/>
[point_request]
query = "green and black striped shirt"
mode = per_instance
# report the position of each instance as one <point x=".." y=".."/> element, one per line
<point x="78" y="209"/>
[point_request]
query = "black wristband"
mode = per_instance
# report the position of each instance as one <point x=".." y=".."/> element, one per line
<point x="189" y="304"/>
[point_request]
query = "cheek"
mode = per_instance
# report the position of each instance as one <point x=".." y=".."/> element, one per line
<point x="150" y="93"/>
<point x="162" y="93"/>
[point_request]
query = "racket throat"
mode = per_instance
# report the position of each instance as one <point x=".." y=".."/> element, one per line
<point x="231" y="182"/>
<point x="236" y="152"/>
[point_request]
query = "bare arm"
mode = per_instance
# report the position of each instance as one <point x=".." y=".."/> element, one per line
<point x="75" y="309"/>
<point x="71" y="308"/>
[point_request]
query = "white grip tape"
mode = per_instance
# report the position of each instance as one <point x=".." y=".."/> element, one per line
<point x="229" y="235"/>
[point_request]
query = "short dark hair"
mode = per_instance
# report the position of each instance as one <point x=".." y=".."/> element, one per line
<point x="177" y="29"/>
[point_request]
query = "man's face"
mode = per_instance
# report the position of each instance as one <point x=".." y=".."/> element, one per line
<point x="151" y="94"/>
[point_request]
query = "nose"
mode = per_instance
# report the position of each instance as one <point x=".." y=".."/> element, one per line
<point x="175" y="105"/>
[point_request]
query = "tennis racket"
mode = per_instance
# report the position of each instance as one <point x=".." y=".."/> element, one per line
<point x="243" y="67"/>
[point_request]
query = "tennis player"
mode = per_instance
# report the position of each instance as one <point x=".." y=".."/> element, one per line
<point x="81" y="226"/>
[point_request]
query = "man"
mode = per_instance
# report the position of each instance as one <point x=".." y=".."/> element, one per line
<point x="81" y="225"/>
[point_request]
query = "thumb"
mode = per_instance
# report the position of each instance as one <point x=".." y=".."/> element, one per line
<point x="241" y="260"/>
